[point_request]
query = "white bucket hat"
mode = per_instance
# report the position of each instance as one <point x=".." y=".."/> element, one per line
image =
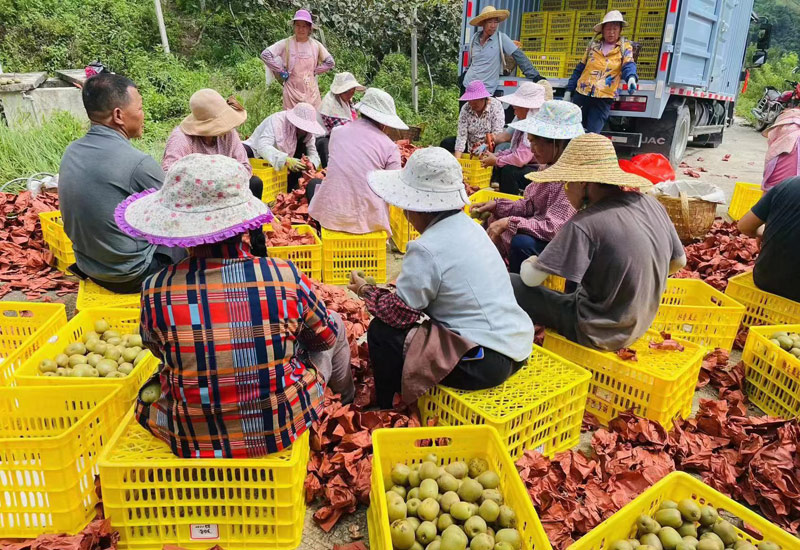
<point x="614" y="16"/>
<point x="556" y="119"/>
<point x="379" y="106"/>
<point x="343" y="82"/>
<point x="529" y="96"/>
<point x="432" y="181"/>
<point x="304" y="116"/>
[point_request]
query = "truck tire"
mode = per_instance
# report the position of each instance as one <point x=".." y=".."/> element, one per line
<point x="712" y="141"/>
<point x="680" y="135"/>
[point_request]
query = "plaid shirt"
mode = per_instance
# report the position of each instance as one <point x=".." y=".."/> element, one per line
<point x="389" y="308"/>
<point x="331" y="122"/>
<point x="229" y="328"/>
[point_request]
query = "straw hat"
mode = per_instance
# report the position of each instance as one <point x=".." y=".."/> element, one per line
<point x="489" y="12"/>
<point x="205" y="199"/>
<point x="475" y="90"/>
<point x="614" y="16"/>
<point x="304" y="117"/>
<point x="432" y="181"/>
<point x="548" y="89"/>
<point x="528" y="96"/>
<point x="555" y="119"/>
<point x="379" y="106"/>
<point x="589" y="158"/>
<point x="212" y="115"/>
<point x="343" y="82"/>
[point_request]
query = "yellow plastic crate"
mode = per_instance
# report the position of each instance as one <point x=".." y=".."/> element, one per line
<point x="663" y="5"/>
<point x="533" y="24"/>
<point x="763" y="308"/>
<point x="489" y="194"/>
<point x="91" y="295"/>
<point x="745" y="197"/>
<point x="559" y="44"/>
<point x="307" y="257"/>
<point x="346" y="252"/>
<point x="549" y="64"/>
<point x="601" y="5"/>
<point x="650" y="22"/>
<point x="647" y="69"/>
<point x="402" y="231"/>
<point x="552" y="5"/>
<point x="24" y="327"/>
<point x="678" y="486"/>
<point x="50" y="441"/>
<point x="694" y="310"/>
<point x="125" y="321"/>
<point x="586" y="20"/>
<point x="659" y="386"/>
<point x="561" y="23"/>
<point x="554" y="282"/>
<point x="579" y="5"/>
<point x="275" y="181"/>
<point x="772" y="374"/>
<point x="624" y="5"/>
<point x="154" y="498"/>
<point x="474" y="173"/>
<point x="462" y="443"/>
<point x="570" y="64"/>
<point x="539" y="407"/>
<point x="579" y="44"/>
<point x="56" y="240"/>
<point x="533" y="43"/>
<point x="649" y="48"/>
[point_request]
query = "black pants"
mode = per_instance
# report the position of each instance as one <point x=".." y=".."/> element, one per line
<point x="449" y="143"/>
<point x="595" y="110"/>
<point x="386" y="354"/>
<point x="311" y="188"/>
<point x="163" y="257"/>
<point x="512" y="178"/>
<point x="322" y="149"/>
<point x="549" y="308"/>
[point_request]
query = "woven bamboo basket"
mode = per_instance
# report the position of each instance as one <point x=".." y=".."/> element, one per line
<point x="412" y="134"/>
<point x="691" y="217"/>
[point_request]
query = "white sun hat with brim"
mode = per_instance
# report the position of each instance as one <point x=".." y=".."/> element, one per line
<point x="528" y="96"/>
<point x="431" y="181"/>
<point x="343" y="82"/>
<point x="555" y="119"/>
<point x="614" y="16"/>
<point x="379" y="106"/>
<point x="304" y="117"/>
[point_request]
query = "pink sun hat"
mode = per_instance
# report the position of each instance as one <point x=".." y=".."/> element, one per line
<point x="205" y="199"/>
<point x="303" y="15"/>
<point x="304" y="116"/>
<point x="475" y="90"/>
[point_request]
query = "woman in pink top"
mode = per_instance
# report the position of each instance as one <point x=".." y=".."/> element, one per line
<point x="344" y="201"/>
<point x="783" y="154"/>
<point x="296" y="61"/>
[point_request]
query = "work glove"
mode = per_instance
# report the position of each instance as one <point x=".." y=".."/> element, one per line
<point x="285" y="75"/>
<point x="632" y="85"/>
<point x="567" y="96"/>
<point x="294" y="165"/>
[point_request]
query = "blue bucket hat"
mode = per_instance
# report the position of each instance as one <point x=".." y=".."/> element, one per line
<point x="556" y="119"/>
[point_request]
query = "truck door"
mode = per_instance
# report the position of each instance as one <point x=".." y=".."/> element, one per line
<point x="695" y="42"/>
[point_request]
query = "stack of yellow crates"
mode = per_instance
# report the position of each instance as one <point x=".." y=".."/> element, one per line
<point x="648" y="33"/>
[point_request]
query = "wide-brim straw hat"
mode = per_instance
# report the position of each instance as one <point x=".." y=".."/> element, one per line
<point x="304" y="117"/>
<point x="212" y="115"/>
<point x="589" y="158"/>
<point x="431" y="181"/>
<point x="489" y="12"/>
<point x="205" y="199"/>
<point x="788" y="116"/>
<point x="614" y="16"/>
<point x="379" y="106"/>
<point x="528" y="96"/>
<point x="343" y="82"/>
<point x="555" y="119"/>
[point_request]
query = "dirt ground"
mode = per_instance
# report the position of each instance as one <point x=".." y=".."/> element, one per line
<point x="746" y="148"/>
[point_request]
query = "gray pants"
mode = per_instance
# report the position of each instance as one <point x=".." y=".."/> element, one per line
<point x="547" y="307"/>
<point x="334" y="364"/>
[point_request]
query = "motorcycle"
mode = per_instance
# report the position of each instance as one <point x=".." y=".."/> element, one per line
<point x="773" y="102"/>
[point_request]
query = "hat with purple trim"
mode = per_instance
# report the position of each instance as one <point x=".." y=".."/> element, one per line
<point x="205" y="199"/>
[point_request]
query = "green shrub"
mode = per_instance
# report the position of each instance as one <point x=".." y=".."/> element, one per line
<point x="773" y="73"/>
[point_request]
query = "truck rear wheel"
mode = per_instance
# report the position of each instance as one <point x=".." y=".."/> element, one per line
<point x="680" y="136"/>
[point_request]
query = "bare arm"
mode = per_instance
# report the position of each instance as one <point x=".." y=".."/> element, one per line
<point x="751" y="225"/>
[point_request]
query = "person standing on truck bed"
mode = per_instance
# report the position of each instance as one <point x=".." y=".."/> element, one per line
<point x="596" y="78"/>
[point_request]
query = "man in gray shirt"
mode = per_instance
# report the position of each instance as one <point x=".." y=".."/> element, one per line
<point x="101" y="170"/>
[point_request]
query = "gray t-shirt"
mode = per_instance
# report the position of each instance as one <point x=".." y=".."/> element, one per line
<point x="619" y="250"/>
<point x="99" y="171"/>
<point x="485" y="64"/>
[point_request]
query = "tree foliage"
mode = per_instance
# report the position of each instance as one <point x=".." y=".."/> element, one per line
<point x="774" y="73"/>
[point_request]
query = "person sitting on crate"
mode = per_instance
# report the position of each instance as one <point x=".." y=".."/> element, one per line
<point x="210" y="129"/>
<point x="620" y="248"/>
<point x="284" y="137"/>
<point x="513" y="163"/>
<point x="596" y="79"/>
<point x="97" y="172"/>
<point x="344" y="201"/>
<point x="246" y="344"/>
<point x="477" y="335"/>
<point x="774" y="219"/>
<point x="783" y="152"/>
<point x="482" y="114"/>
<point x="523" y="228"/>
<point x="337" y="109"/>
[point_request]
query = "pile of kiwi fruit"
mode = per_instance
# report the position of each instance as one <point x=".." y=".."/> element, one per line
<point x="686" y="525"/>
<point x="787" y="341"/>
<point x="454" y="507"/>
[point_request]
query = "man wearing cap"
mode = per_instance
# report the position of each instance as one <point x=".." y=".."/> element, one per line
<point x="344" y="201"/>
<point x="620" y="248"/>
<point x="488" y="50"/>
<point x="337" y="109"/>
<point x="296" y="61"/>
<point x="608" y="61"/>
<point x="247" y="345"/>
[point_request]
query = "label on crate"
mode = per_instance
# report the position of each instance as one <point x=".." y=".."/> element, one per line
<point x="605" y="395"/>
<point x="687" y="328"/>
<point x="540" y="449"/>
<point x="204" y="531"/>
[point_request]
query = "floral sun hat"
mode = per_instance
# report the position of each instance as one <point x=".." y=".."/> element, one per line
<point x="205" y="199"/>
<point x="556" y="119"/>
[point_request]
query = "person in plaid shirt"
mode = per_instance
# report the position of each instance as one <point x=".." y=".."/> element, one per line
<point x="246" y="344"/>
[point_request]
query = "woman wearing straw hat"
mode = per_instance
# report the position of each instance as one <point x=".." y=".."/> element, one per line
<point x="608" y="61"/>
<point x="477" y="335"/>
<point x="241" y="381"/>
<point x="783" y="153"/>
<point x="284" y="137"/>
<point x="296" y="61"/>
<point x="620" y="248"/>
<point x="489" y="49"/>
<point x="337" y="109"/>
<point x="481" y="114"/>
<point x="344" y="201"/>
<point x="523" y="228"/>
<point x="513" y="163"/>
